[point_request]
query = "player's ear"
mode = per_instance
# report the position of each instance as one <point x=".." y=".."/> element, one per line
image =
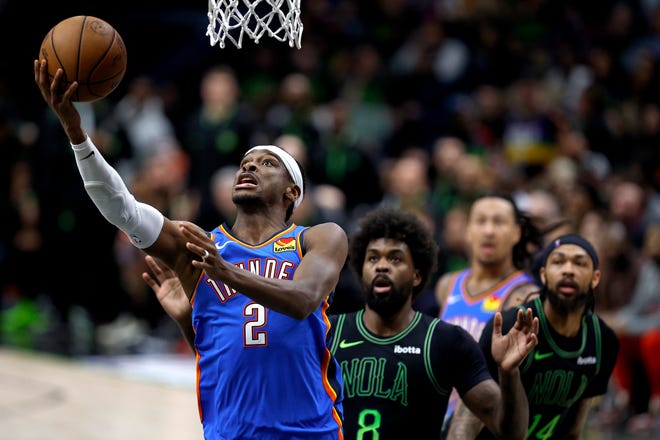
<point x="292" y="193"/>
<point x="542" y="274"/>
<point x="417" y="278"/>
<point x="595" y="279"/>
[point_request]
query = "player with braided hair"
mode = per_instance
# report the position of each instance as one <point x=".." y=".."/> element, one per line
<point x="500" y="240"/>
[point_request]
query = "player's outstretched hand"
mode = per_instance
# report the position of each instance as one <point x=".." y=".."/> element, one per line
<point x="169" y="292"/>
<point x="511" y="349"/>
<point x="58" y="98"/>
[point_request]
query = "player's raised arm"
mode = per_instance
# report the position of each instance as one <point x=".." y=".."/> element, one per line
<point x="504" y="409"/>
<point x="146" y="227"/>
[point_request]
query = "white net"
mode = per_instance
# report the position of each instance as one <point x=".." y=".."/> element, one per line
<point x="232" y="19"/>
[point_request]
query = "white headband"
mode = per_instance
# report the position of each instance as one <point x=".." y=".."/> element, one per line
<point x="290" y="164"/>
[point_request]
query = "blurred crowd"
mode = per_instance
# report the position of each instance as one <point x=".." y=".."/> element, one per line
<point x="418" y="104"/>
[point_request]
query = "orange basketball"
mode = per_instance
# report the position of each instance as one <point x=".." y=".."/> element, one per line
<point x="90" y="51"/>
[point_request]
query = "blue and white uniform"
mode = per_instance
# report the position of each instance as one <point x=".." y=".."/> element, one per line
<point x="250" y="357"/>
<point x="473" y="312"/>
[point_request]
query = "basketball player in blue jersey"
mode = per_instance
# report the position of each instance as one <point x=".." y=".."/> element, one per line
<point x="256" y="292"/>
<point x="498" y="237"/>
<point x="576" y="352"/>
<point x="400" y="365"/>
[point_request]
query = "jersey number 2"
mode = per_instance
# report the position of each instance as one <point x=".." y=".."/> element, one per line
<point x="253" y="335"/>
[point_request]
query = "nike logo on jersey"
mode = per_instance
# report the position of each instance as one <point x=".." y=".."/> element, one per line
<point x="540" y="356"/>
<point x="344" y="344"/>
<point x="88" y="156"/>
<point x="453" y="299"/>
<point x="223" y="245"/>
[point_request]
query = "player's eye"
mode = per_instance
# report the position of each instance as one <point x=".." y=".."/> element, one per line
<point x="480" y="221"/>
<point x="556" y="261"/>
<point x="498" y="221"/>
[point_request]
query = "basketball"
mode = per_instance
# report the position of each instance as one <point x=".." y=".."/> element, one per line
<point x="90" y="51"/>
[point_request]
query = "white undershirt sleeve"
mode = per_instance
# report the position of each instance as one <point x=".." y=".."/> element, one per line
<point x="141" y="222"/>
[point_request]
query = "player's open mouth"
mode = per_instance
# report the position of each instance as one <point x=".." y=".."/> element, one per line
<point x="381" y="284"/>
<point x="246" y="181"/>
<point x="568" y="288"/>
<point x="487" y="247"/>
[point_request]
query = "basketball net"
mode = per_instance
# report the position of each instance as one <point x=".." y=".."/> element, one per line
<point x="232" y="19"/>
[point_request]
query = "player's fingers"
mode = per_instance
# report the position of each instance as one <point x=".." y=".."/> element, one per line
<point x="520" y="320"/>
<point x="37" y="66"/>
<point x="199" y="250"/>
<point x="190" y="230"/>
<point x="188" y="233"/>
<point x="199" y="244"/>
<point x="497" y="325"/>
<point x="55" y="85"/>
<point x="529" y="316"/>
<point x="151" y="282"/>
<point x="525" y="319"/>
<point x="194" y="227"/>
<point x="41" y="77"/>
<point x="69" y="92"/>
<point x="153" y="265"/>
<point x="532" y="340"/>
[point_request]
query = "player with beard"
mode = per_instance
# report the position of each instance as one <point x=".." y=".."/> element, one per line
<point x="400" y="365"/>
<point x="576" y="352"/>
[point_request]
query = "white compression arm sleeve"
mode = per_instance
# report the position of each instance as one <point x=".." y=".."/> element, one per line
<point x="141" y="222"/>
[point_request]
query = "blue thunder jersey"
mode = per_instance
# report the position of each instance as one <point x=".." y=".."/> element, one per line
<point x="261" y="374"/>
<point x="397" y="387"/>
<point x="560" y="371"/>
<point x="473" y="312"/>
